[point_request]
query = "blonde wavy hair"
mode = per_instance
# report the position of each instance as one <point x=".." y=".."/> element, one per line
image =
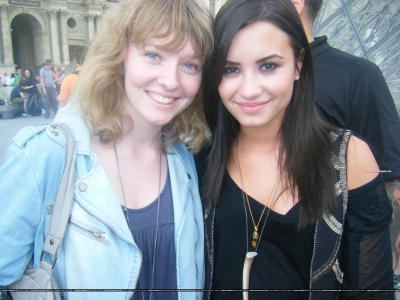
<point x="100" y="89"/>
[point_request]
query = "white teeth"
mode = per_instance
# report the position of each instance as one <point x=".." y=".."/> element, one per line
<point x="161" y="99"/>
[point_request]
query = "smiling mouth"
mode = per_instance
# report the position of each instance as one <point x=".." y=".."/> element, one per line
<point x="252" y="107"/>
<point x="253" y="104"/>
<point x="160" y="99"/>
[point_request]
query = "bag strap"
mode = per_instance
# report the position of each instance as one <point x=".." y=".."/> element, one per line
<point x="65" y="195"/>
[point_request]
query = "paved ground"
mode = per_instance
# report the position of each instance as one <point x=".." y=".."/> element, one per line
<point x="5" y="92"/>
<point x="8" y="129"/>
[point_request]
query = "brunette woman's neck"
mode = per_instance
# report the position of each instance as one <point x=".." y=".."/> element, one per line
<point x="259" y="138"/>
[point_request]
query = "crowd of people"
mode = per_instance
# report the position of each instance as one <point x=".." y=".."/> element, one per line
<point x="216" y="158"/>
<point x="46" y="90"/>
<point x="12" y="80"/>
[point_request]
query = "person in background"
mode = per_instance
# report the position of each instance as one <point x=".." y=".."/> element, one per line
<point x="40" y="89"/>
<point x="28" y="84"/>
<point x="289" y="201"/>
<point x="60" y="76"/>
<point x="49" y="93"/>
<point x="352" y="93"/>
<point x="6" y="80"/>
<point x="69" y="82"/>
<point x="136" y="220"/>
<point x="17" y="95"/>
<point x="15" y="79"/>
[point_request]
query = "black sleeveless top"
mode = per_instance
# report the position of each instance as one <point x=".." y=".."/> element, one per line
<point x="284" y="253"/>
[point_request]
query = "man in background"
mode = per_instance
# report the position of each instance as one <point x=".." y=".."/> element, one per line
<point x="69" y="82"/>
<point x="49" y="93"/>
<point x="17" y="95"/>
<point x="351" y="92"/>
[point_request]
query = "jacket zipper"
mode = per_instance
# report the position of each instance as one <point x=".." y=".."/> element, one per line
<point x="101" y="237"/>
<point x="119" y="236"/>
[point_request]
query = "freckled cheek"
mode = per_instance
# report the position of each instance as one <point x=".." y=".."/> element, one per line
<point x="191" y="86"/>
<point x="137" y="79"/>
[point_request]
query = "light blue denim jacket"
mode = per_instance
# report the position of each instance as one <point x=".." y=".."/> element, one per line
<point x="98" y="251"/>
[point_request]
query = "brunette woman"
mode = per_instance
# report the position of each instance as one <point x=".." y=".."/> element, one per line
<point x="290" y="204"/>
<point x="28" y="84"/>
<point x="136" y="221"/>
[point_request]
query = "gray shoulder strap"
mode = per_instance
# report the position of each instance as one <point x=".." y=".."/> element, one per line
<point x="64" y="198"/>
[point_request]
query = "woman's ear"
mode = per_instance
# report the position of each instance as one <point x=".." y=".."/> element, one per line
<point x="299" y="5"/>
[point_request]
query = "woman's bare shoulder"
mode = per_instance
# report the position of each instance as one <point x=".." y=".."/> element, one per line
<point x="361" y="164"/>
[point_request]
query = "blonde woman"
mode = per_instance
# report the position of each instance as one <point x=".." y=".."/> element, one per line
<point x="136" y="220"/>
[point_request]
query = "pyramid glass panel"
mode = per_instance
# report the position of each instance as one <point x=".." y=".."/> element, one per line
<point x="366" y="28"/>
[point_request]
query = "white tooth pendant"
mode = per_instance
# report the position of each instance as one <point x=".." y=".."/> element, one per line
<point x="246" y="273"/>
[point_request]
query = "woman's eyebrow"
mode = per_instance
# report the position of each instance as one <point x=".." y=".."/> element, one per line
<point x="268" y="58"/>
<point x="149" y="44"/>
<point x="232" y="63"/>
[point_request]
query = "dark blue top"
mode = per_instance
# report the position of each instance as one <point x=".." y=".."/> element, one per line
<point x="143" y="226"/>
<point x="15" y="93"/>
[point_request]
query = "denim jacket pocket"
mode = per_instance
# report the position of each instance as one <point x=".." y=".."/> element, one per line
<point x="88" y="231"/>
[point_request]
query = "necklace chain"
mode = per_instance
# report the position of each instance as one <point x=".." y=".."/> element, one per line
<point x="126" y="213"/>
<point x="256" y="235"/>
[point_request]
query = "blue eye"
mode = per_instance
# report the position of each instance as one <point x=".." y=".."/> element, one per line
<point x="190" y="66"/>
<point x="152" y="56"/>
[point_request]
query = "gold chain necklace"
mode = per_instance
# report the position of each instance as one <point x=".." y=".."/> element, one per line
<point x="248" y="261"/>
<point x="256" y="235"/>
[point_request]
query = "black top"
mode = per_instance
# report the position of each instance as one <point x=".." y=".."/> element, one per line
<point x="284" y="254"/>
<point x="28" y="82"/>
<point x="351" y="93"/>
<point x="143" y="223"/>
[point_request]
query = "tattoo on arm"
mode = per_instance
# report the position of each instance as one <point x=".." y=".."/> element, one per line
<point x="393" y="191"/>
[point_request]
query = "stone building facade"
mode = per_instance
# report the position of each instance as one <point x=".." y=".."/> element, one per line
<point x="34" y="30"/>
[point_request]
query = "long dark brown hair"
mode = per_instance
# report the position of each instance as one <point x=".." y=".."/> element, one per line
<point x="305" y="150"/>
